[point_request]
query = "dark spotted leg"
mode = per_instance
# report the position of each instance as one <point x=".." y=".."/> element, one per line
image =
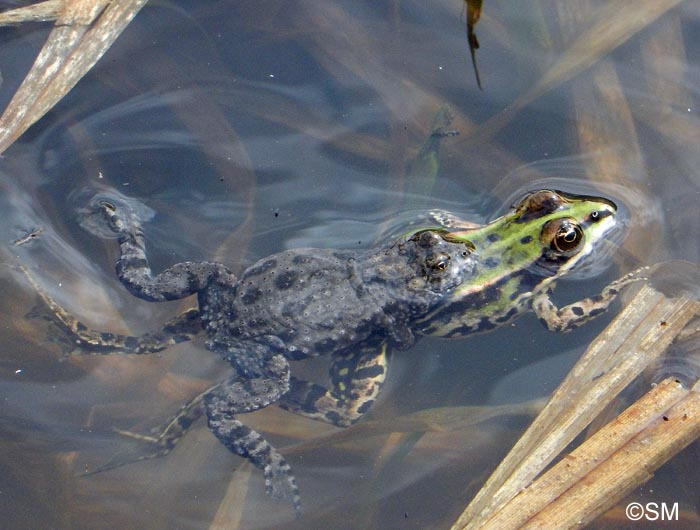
<point x="578" y="313"/>
<point x="356" y="378"/>
<point x="86" y="341"/>
<point x="179" y="281"/>
<point x="244" y="395"/>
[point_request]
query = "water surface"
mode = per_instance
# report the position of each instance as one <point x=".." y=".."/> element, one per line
<point x="252" y="127"/>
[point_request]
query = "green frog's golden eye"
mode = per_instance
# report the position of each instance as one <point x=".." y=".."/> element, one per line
<point x="565" y="235"/>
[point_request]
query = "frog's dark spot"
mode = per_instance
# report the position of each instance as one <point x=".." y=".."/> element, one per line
<point x="131" y="342"/>
<point x="107" y="337"/>
<point x="180" y="338"/>
<point x="365" y="406"/>
<point x="309" y="398"/>
<point x="525" y="240"/>
<point x="596" y="311"/>
<point x="251" y="295"/>
<point x="493" y="237"/>
<point x="460" y="331"/>
<point x="508" y="315"/>
<point x="576" y="310"/>
<point x="333" y="417"/>
<point x="491" y="262"/>
<point x="429" y="330"/>
<point x="80" y="326"/>
<point x="369" y="372"/>
<point x="286" y="280"/>
<point x="485" y="324"/>
<point x="298" y="260"/>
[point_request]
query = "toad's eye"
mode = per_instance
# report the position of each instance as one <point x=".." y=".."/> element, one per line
<point x="565" y="236"/>
<point x="439" y="262"/>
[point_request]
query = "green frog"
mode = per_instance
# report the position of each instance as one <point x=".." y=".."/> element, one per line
<point x="448" y="280"/>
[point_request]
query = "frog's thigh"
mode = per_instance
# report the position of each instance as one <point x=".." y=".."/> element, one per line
<point x="356" y="379"/>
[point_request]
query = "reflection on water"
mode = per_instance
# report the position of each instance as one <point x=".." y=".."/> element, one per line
<point x="251" y="128"/>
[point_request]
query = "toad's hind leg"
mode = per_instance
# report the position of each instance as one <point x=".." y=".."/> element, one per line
<point x="244" y="395"/>
<point x="356" y="378"/>
<point x="87" y="341"/>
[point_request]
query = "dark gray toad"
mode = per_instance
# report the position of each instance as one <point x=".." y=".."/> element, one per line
<point x="292" y="305"/>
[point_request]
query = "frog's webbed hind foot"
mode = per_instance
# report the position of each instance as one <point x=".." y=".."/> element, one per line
<point x="161" y="441"/>
<point x="134" y="452"/>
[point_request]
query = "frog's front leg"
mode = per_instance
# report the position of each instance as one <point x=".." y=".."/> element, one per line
<point x="356" y="377"/>
<point x="239" y="395"/>
<point x="574" y="315"/>
<point x="179" y="281"/>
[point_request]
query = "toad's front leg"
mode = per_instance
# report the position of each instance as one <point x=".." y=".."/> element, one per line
<point x="179" y="281"/>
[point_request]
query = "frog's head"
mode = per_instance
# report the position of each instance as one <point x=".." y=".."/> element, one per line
<point x="546" y="233"/>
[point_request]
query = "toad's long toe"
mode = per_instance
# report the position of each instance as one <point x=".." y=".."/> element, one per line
<point x="280" y="483"/>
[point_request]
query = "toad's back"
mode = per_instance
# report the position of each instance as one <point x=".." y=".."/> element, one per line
<point x="308" y="302"/>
